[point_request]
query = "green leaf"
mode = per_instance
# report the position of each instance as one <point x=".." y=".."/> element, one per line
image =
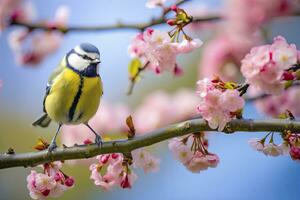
<point x="133" y="67"/>
<point x="230" y="85"/>
<point x="288" y="84"/>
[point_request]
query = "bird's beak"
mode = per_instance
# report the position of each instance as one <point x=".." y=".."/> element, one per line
<point x="96" y="61"/>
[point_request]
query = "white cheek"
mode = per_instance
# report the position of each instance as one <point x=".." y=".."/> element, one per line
<point x="77" y="62"/>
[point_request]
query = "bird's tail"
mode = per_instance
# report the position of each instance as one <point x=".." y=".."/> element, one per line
<point x="42" y="121"/>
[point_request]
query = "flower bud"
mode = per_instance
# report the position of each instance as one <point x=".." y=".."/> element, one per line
<point x="295" y="153"/>
<point x="69" y="182"/>
<point x="288" y="76"/>
<point x="171" y="22"/>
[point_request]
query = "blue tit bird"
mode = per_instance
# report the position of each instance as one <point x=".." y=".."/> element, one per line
<point x="73" y="91"/>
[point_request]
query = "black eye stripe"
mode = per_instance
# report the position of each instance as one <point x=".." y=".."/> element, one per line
<point x="82" y="56"/>
<point x="85" y="57"/>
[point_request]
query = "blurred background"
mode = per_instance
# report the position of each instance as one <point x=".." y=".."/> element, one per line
<point x="242" y="172"/>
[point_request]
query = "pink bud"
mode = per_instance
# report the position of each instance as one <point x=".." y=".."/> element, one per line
<point x="288" y="76"/>
<point x="157" y="70"/>
<point x="171" y="22"/>
<point x="149" y="31"/>
<point x="46" y="192"/>
<point x="57" y="177"/>
<point x="104" y="158"/>
<point x="114" y="155"/>
<point x="87" y="141"/>
<point x="295" y="153"/>
<point x="174" y="8"/>
<point x="178" y="71"/>
<point x="51" y="25"/>
<point x="125" y="182"/>
<point x="69" y="182"/>
<point x="15" y="15"/>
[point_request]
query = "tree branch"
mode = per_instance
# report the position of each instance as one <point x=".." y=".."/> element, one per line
<point x="123" y="146"/>
<point x="263" y="96"/>
<point x="118" y="26"/>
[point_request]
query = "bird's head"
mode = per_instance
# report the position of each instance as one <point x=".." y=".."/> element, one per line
<point x="84" y="58"/>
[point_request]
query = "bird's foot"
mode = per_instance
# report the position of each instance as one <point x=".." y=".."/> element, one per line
<point x="52" y="146"/>
<point x="98" y="141"/>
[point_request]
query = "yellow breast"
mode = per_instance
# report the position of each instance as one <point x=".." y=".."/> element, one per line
<point x="73" y="99"/>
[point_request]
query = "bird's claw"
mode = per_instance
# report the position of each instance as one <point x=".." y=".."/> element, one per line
<point x="52" y="146"/>
<point x="98" y="141"/>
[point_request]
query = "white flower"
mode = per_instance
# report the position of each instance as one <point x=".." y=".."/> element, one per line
<point x="155" y="3"/>
<point x="256" y="144"/>
<point x="272" y="149"/>
<point x="285" y="149"/>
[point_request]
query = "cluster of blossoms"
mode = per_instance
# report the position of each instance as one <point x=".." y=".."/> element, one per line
<point x="290" y="145"/>
<point x="158" y="50"/>
<point x="31" y="47"/>
<point x="15" y="11"/>
<point x="220" y="102"/>
<point x="157" y="110"/>
<point x="192" y="152"/>
<point x="114" y="169"/>
<point x="237" y="33"/>
<point x="49" y="184"/>
<point x="267" y="67"/>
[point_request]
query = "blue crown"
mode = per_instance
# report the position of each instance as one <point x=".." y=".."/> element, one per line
<point x="89" y="48"/>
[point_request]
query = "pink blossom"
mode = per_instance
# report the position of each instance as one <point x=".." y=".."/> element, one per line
<point x="52" y="183"/>
<point x="264" y="66"/>
<point x="180" y="151"/>
<point x="222" y="55"/>
<point x="143" y="159"/>
<point x="41" y="44"/>
<point x="283" y="53"/>
<point x="32" y="47"/>
<point x="112" y="170"/>
<point x="40" y="185"/>
<point x="201" y="162"/>
<point x="237" y="34"/>
<point x="158" y="50"/>
<point x="155" y="3"/>
<point x="187" y="46"/>
<point x="116" y="168"/>
<point x="231" y="100"/>
<point x="248" y="15"/>
<point x="256" y="144"/>
<point x="218" y="106"/>
<point x="191" y="151"/>
<point x="272" y="149"/>
<point x="106" y="182"/>
<point x="15" y="10"/>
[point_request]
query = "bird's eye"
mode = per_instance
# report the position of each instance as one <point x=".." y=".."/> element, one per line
<point x="85" y="57"/>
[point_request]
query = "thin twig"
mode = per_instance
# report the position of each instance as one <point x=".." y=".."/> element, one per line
<point x="123" y="146"/>
<point x="263" y="96"/>
<point x="118" y="26"/>
<point x="134" y="78"/>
